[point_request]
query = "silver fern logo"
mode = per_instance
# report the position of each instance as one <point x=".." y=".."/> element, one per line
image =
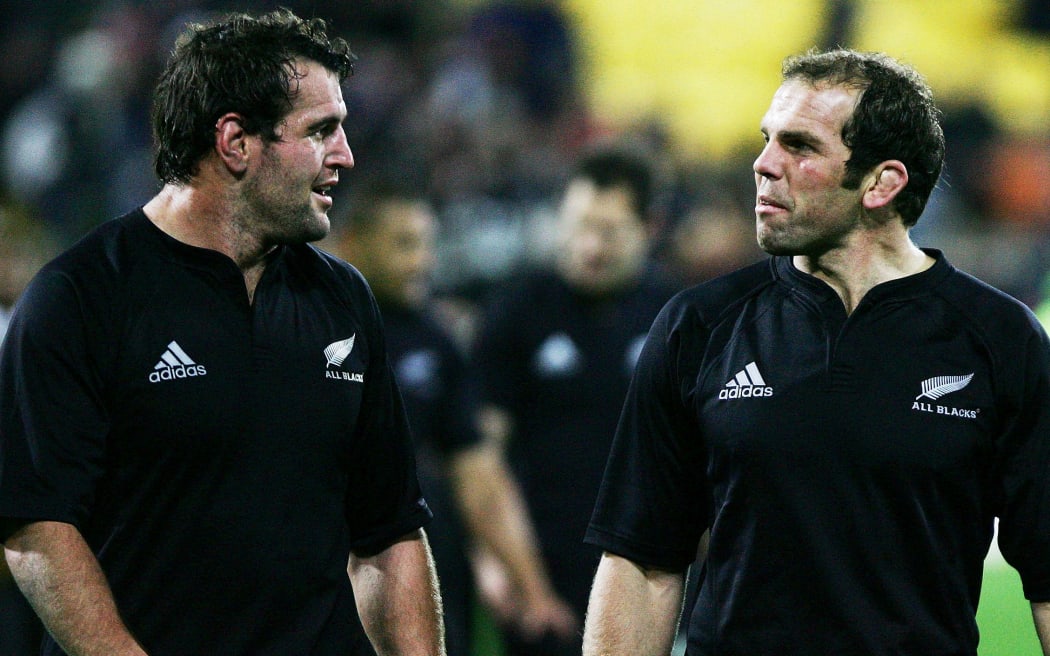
<point x="336" y="352"/>
<point x="935" y="388"/>
<point x="940" y="386"/>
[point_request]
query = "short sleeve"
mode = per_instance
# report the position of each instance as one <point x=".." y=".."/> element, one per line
<point x="653" y="503"/>
<point x="53" y="423"/>
<point x="456" y="429"/>
<point x="1024" y="474"/>
<point x="498" y="356"/>
<point x="384" y="500"/>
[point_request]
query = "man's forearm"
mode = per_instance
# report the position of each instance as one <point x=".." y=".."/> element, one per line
<point x="632" y="611"/>
<point x="495" y="512"/>
<point x="1041" y="615"/>
<point x="62" y="580"/>
<point x="398" y="599"/>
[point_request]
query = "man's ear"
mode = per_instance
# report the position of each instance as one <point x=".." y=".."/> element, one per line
<point x="231" y="143"/>
<point x="885" y="182"/>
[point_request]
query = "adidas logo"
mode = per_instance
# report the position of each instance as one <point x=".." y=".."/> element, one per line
<point x="748" y="383"/>
<point x="174" y="363"/>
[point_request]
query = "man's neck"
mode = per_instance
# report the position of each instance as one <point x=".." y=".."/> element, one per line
<point x="868" y="260"/>
<point x="206" y="219"/>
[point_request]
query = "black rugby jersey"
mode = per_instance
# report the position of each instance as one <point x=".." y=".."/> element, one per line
<point x="560" y="362"/>
<point x="221" y="458"/>
<point x="849" y="467"/>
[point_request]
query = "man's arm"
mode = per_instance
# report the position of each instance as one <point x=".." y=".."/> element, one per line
<point x="495" y="512"/>
<point x="61" y="578"/>
<point x="398" y="599"/>
<point x="1041" y="615"/>
<point x="633" y="610"/>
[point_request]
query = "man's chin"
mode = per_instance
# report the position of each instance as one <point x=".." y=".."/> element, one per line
<point x="317" y="230"/>
<point x="774" y="246"/>
<point x="776" y="249"/>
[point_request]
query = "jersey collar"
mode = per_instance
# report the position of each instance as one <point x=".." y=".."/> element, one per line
<point x="901" y="288"/>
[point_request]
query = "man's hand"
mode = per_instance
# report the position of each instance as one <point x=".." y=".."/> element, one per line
<point x="533" y="612"/>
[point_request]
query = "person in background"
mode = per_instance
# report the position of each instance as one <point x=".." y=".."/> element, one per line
<point x="203" y="449"/>
<point x="25" y="246"/>
<point x="554" y="356"/>
<point x="711" y="239"/>
<point x="389" y="237"/>
<point x="845" y="420"/>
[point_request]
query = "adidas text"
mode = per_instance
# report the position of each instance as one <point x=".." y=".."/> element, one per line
<point x="745" y="392"/>
<point x="180" y="371"/>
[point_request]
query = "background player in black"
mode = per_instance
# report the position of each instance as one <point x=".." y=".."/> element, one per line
<point x="260" y="503"/>
<point x="554" y="357"/>
<point x="847" y="419"/>
<point x="389" y="236"/>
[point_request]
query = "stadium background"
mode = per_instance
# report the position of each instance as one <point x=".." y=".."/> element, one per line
<point x="484" y="105"/>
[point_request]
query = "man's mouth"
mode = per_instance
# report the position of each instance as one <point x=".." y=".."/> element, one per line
<point x="325" y="188"/>
<point x="766" y="202"/>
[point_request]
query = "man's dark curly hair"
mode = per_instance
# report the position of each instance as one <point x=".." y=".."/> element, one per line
<point x="241" y="64"/>
<point x="895" y="118"/>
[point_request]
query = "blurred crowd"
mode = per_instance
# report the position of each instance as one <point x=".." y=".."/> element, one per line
<point x="479" y="104"/>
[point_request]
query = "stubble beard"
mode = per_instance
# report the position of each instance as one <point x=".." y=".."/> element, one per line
<point x="280" y="218"/>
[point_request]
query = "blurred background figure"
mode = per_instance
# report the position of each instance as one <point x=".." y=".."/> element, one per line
<point x="25" y="245"/>
<point x="554" y="356"/>
<point x="709" y="240"/>
<point x="389" y="237"/>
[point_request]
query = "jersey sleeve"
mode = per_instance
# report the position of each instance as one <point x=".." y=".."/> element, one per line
<point x="653" y="505"/>
<point x="53" y="423"/>
<point x="1024" y="473"/>
<point x="456" y="429"/>
<point x="384" y="500"/>
<point x="497" y="360"/>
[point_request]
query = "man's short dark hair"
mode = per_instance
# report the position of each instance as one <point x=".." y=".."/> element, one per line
<point x="619" y="166"/>
<point x="895" y="118"/>
<point x="241" y="64"/>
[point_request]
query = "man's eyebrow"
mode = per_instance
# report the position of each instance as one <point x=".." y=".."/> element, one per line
<point x="329" y="121"/>
<point x="799" y="135"/>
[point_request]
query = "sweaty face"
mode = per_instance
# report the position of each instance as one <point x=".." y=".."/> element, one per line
<point x="287" y="189"/>
<point x="801" y="207"/>
<point x="396" y="254"/>
<point x="604" y="239"/>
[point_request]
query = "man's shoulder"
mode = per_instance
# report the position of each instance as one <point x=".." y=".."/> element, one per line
<point x="103" y="257"/>
<point x="981" y="305"/>
<point x="712" y="297"/>
<point x="315" y="265"/>
<point x="525" y="291"/>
